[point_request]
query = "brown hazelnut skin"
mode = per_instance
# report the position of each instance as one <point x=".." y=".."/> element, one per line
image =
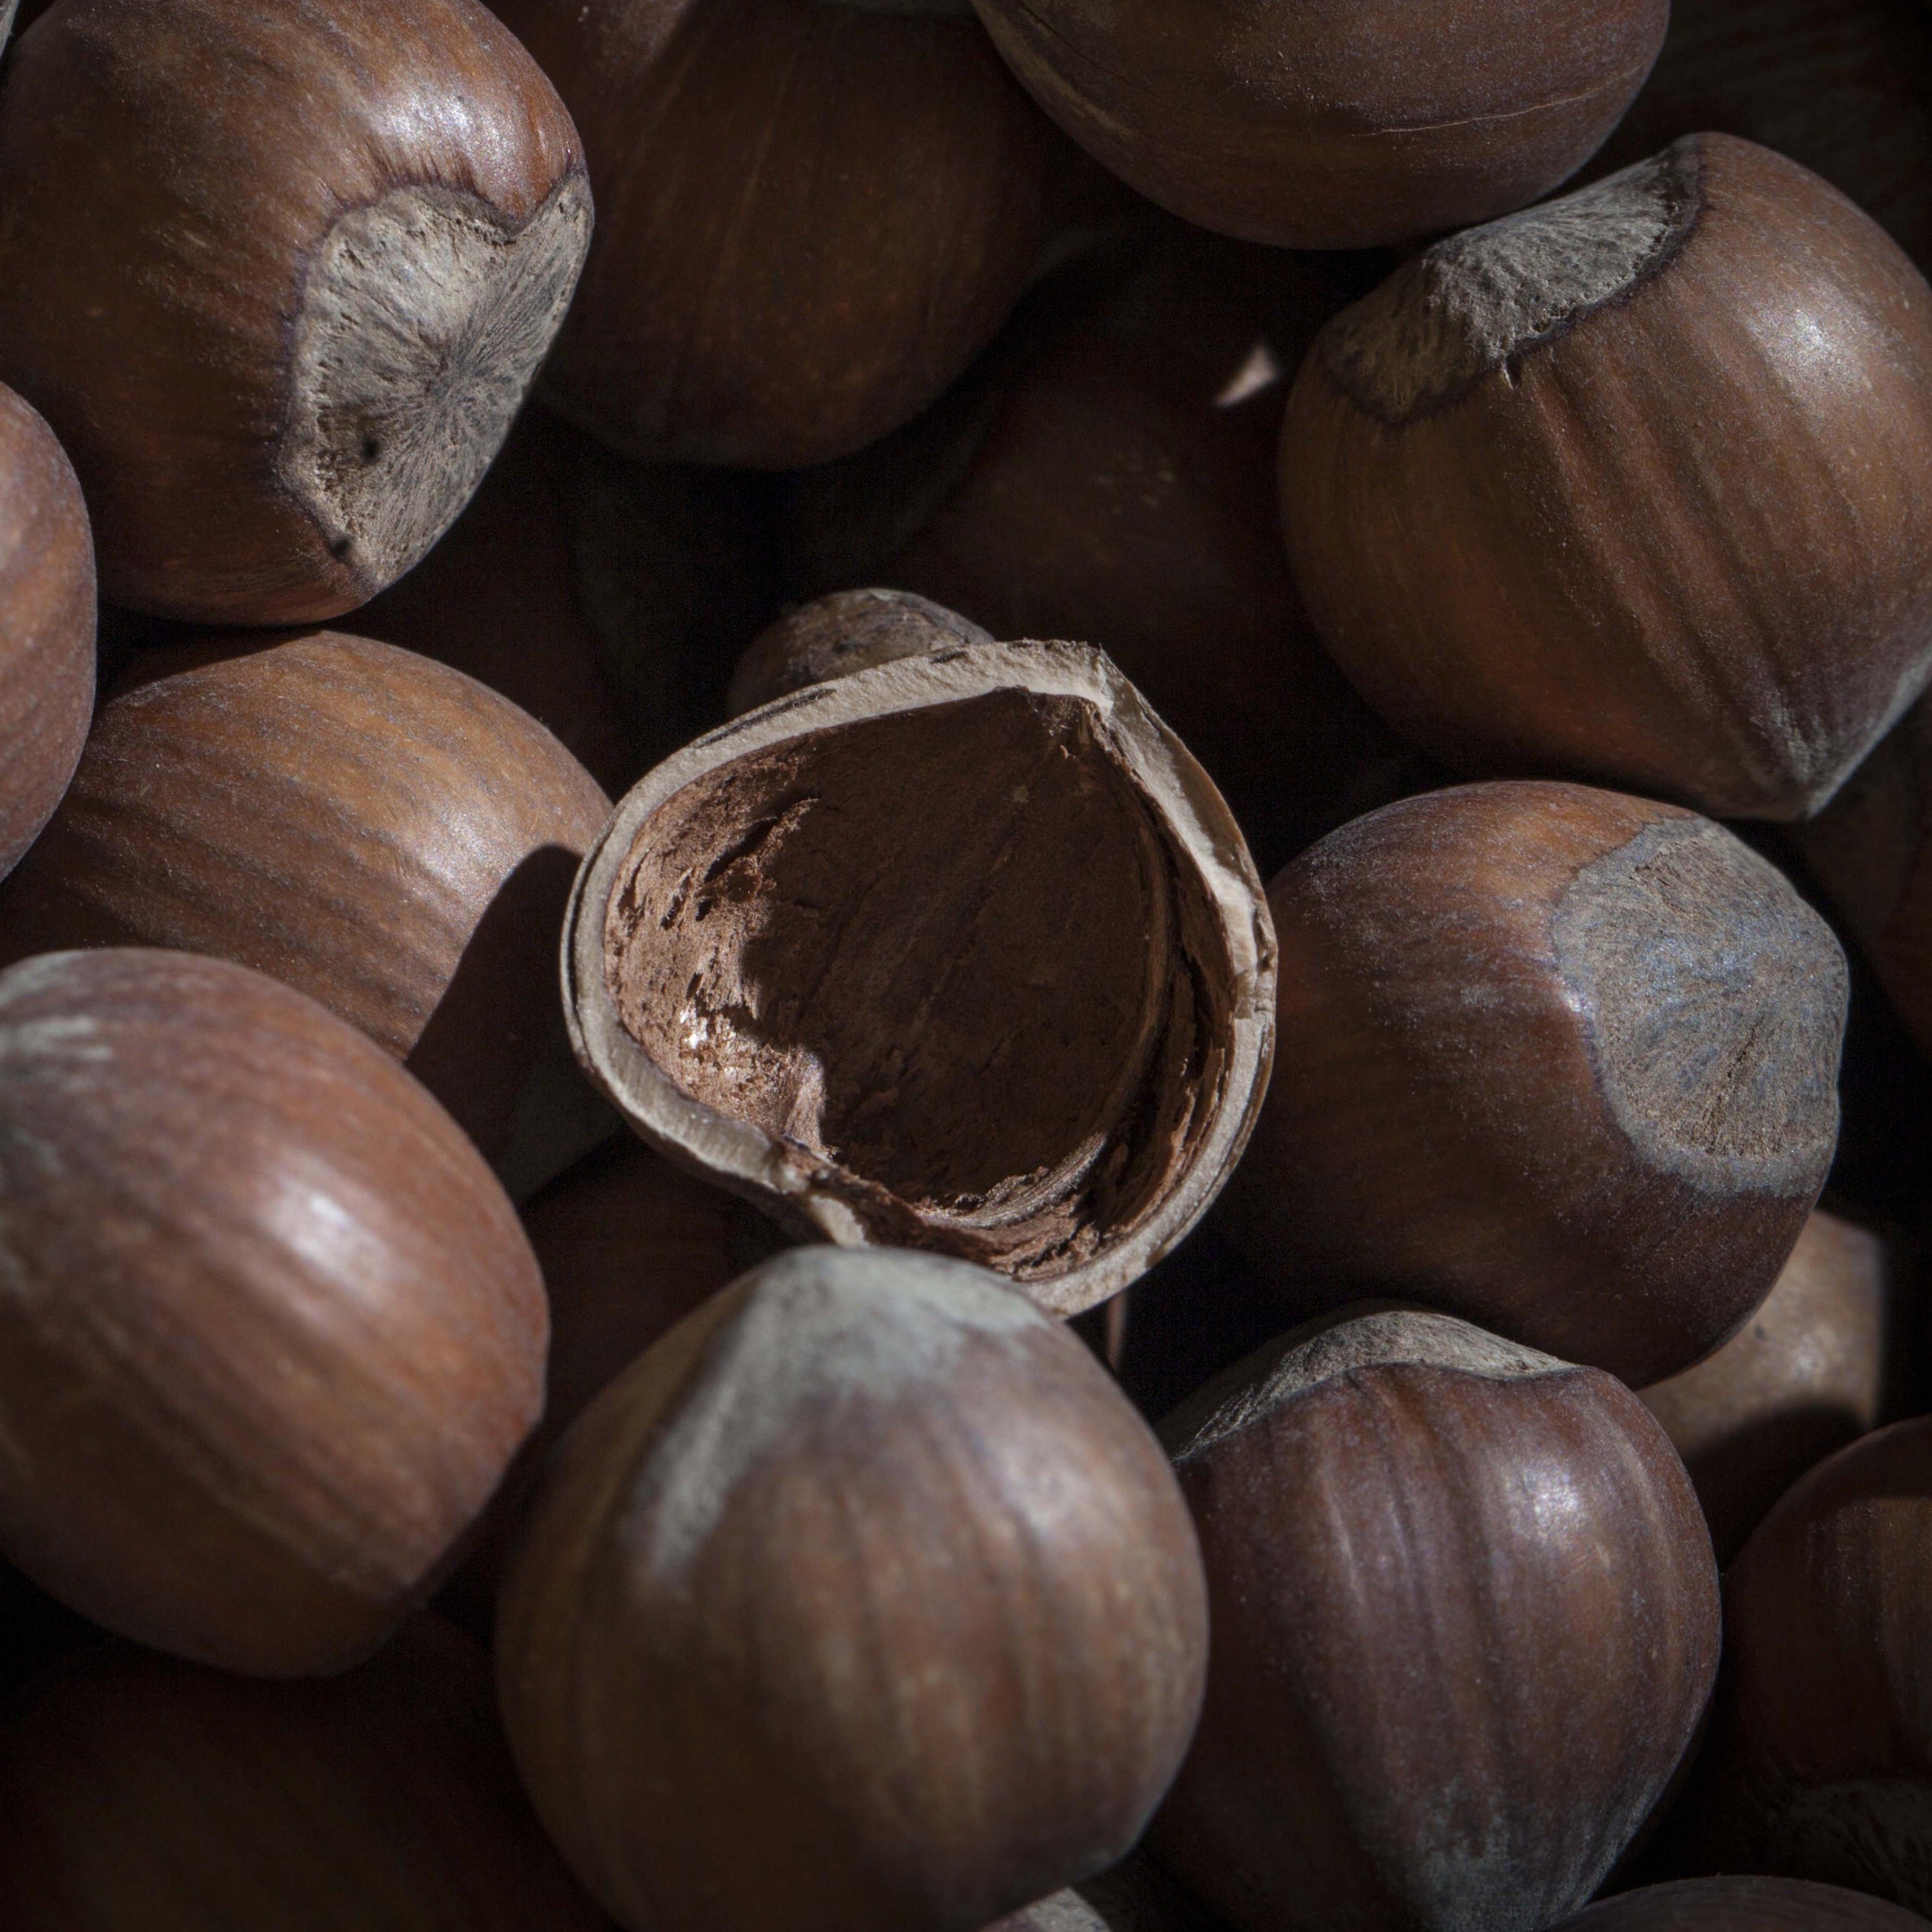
<point x="1815" y="1368"/>
<point x="1743" y="1905"/>
<point x="381" y="833"/>
<point x="1561" y="1061"/>
<point x="849" y="630"/>
<point x="1659" y="513"/>
<point x="1337" y="124"/>
<point x="895" y="1615"/>
<point x="145" y="1794"/>
<point x="279" y="277"/>
<point x="1819" y="1755"/>
<point x="1465" y="1625"/>
<point x="269" y="1331"/>
<point x="46" y="625"/>
<point x="815" y="215"/>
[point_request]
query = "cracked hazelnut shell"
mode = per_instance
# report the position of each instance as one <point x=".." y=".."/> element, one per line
<point x="375" y="830"/>
<point x="1466" y="1624"/>
<point x="1636" y="486"/>
<point x="1560" y="1061"/>
<point x="962" y="952"/>
<point x="893" y="1608"/>
<point x="269" y="1331"/>
<point x="279" y="276"/>
<point x="1743" y="1905"/>
<point x="815" y="213"/>
<point x="1344" y="124"/>
<point x="46" y="624"/>
<point x="142" y="1794"/>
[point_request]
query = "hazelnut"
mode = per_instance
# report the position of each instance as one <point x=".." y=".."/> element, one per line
<point x="1809" y="1372"/>
<point x="815" y="215"/>
<point x="1636" y="486"/>
<point x="1466" y="1624"/>
<point x="1558" y="1061"/>
<point x="1820" y="1751"/>
<point x="849" y="631"/>
<point x="138" y="1792"/>
<point x="1135" y="1896"/>
<point x="963" y="952"/>
<point x="1329" y="126"/>
<point x="279" y="277"/>
<point x="46" y="624"/>
<point x="890" y="1603"/>
<point x="379" y="831"/>
<point x="1743" y="1905"/>
<point x="269" y="1331"/>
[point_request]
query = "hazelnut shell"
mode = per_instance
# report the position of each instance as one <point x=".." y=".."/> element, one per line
<point x="1743" y="1905"/>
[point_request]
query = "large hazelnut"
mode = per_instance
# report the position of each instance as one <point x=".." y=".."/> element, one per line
<point x="1334" y="125"/>
<point x="139" y="1794"/>
<point x="1743" y="1905"/>
<point x="963" y="952"/>
<point x="380" y="832"/>
<point x="863" y="1603"/>
<point x="46" y="625"/>
<point x="1636" y="486"/>
<point x="814" y="215"/>
<point x="1813" y="1370"/>
<point x="279" y="276"/>
<point x="1561" y="1061"/>
<point x="1818" y="1765"/>
<point x="1465" y="1625"/>
<point x="269" y="1331"/>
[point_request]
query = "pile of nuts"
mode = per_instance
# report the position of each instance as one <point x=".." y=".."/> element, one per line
<point x="1136" y="1247"/>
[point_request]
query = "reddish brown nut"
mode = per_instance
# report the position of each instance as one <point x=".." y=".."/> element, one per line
<point x="1743" y="1905"/>
<point x="269" y="1331"/>
<point x="139" y="1794"/>
<point x="849" y="631"/>
<point x="46" y="624"/>
<point x="893" y="1614"/>
<point x="1810" y="1371"/>
<point x="1871" y="849"/>
<point x="1466" y="1624"/>
<point x="380" y="832"/>
<point x="814" y="215"/>
<point x="963" y="952"/>
<point x="279" y="275"/>
<point x="1332" y="125"/>
<point x="1819" y="1761"/>
<point x="1561" y="1061"/>
<point x="1636" y="485"/>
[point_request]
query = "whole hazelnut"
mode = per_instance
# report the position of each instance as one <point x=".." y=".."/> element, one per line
<point x="279" y="275"/>
<point x="891" y="1604"/>
<point x="1813" y="1370"/>
<point x="382" y="833"/>
<point x="1560" y="1061"/>
<point x="963" y="952"/>
<point x="1466" y="1624"/>
<point x="1818" y="1765"/>
<point x="141" y="1794"/>
<point x="1743" y="1905"/>
<point x="46" y="625"/>
<point x="816" y="212"/>
<point x="1334" y="126"/>
<point x="1635" y="485"/>
<point x="269" y="1331"/>
<point x="849" y="631"/>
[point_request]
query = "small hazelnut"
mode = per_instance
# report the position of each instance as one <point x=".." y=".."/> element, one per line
<point x="1743" y="1905"/>
<point x="963" y="952"/>
<point x="1809" y="1372"/>
<point x="1561" y="1061"/>
<point x="46" y="625"/>
<point x="1334" y="126"/>
<point x="269" y="1331"/>
<point x="140" y="1794"/>
<point x="1466" y="1624"/>
<point x="816" y="212"/>
<point x="279" y="276"/>
<point x="849" y="631"/>
<point x="382" y="833"/>
<point x="1636" y="486"/>
<point x="890" y="1605"/>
